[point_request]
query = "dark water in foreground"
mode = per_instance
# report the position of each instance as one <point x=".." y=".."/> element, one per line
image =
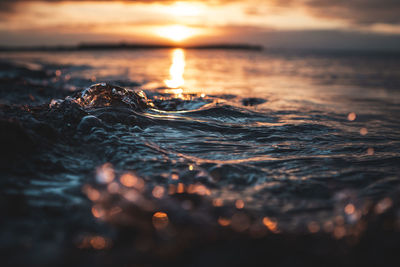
<point x="219" y="145"/>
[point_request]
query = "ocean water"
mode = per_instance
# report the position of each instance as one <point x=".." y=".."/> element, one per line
<point x="254" y="141"/>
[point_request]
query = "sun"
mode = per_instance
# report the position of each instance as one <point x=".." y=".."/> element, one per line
<point x="176" y="33"/>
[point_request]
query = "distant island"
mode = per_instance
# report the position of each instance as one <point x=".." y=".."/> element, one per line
<point x="132" y="46"/>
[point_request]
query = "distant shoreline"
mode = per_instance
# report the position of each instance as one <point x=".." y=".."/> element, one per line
<point x="105" y="46"/>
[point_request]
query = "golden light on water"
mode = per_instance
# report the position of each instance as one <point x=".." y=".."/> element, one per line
<point x="177" y="69"/>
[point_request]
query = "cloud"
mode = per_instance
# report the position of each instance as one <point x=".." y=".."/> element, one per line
<point x="357" y="11"/>
<point x="362" y="12"/>
<point x="10" y="6"/>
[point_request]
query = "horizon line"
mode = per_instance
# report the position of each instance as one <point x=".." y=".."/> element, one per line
<point x="131" y="46"/>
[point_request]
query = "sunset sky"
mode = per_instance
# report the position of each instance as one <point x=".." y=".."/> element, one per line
<point x="354" y="24"/>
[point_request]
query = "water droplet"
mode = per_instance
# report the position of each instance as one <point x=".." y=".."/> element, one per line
<point x="351" y="116"/>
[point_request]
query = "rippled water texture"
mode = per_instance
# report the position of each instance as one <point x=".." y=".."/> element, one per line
<point x="255" y="142"/>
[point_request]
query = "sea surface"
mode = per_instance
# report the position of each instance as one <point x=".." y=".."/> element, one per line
<point x="257" y="142"/>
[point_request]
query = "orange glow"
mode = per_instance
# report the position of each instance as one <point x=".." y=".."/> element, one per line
<point x="97" y="211"/>
<point x="224" y="221"/>
<point x="198" y="189"/>
<point x="160" y="220"/>
<point x="218" y="202"/>
<point x="363" y="131"/>
<point x="270" y="224"/>
<point x="351" y="116"/>
<point x="180" y="189"/>
<point x="98" y="242"/>
<point x="113" y="188"/>
<point x="128" y="180"/>
<point x="370" y="151"/>
<point x="239" y="204"/>
<point x="182" y="9"/>
<point x="140" y="184"/>
<point x="91" y="193"/>
<point x="171" y="189"/>
<point x="131" y="180"/>
<point x="176" y="33"/>
<point x="131" y="195"/>
<point x="149" y="20"/>
<point x="95" y="242"/>
<point x="349" y="209"/>
<point x="177" y="69"/>
<point x="158" y="191"/>
<point x="383" y="205"/>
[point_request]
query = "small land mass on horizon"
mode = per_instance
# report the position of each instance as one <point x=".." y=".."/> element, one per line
<point x="130" y="46"/>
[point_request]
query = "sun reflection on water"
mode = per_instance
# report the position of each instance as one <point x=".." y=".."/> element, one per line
<point x="177" y="69"/>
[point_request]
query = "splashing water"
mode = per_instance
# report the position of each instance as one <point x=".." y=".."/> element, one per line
<point x="262" y="173"/>
<point x="270" y="153"/>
